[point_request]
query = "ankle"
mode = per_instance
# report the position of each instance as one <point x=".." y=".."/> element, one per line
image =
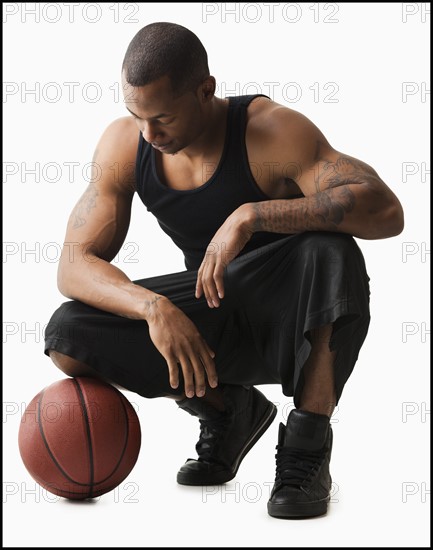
<point x="215" y="398"/>
<point x="318" y="407"/>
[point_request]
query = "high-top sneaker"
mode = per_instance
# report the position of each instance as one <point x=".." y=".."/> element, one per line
<point x="303" y="482"/>
<point x="225" y="436"/>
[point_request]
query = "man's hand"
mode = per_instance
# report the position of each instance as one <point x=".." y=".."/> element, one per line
<point x="178" y="340"/>
<point x="225" y="245"/>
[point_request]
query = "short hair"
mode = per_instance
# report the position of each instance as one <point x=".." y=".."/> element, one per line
<point x="166" y="49"/>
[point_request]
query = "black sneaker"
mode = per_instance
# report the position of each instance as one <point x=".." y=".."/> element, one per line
<point x="303" y="482"/>
<point x="227" y="436"/>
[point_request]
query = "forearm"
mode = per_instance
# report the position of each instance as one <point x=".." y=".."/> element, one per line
<point x="102" y="285"/>
<point x="346" y="209"/>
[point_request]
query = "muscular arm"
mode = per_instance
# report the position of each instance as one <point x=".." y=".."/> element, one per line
<point x="292" y="158"/>
<point x="97" y="228"/>
<point x="341" y="193"/>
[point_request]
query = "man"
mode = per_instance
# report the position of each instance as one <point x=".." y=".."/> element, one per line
<point x="275" y="288"/>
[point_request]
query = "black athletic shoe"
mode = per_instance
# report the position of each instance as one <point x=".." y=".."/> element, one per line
<point x="225" y="437"/>
<point x="303" y="482"/>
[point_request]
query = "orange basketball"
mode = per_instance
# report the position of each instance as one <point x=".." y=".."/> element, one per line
<point x="79" y="438"/>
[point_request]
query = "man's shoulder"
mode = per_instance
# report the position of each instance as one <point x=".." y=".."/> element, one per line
<point x="116" y="153"/>
<point x="119" y="141"/>
<point x="265" y="113"/>
<point x="122" y="129"/>
<point x="274" y="125"/>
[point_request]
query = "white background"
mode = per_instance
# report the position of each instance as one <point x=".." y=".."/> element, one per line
<point x="381" y="450"/>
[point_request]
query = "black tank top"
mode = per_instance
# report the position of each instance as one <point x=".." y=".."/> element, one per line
<point x="192" y="217"/>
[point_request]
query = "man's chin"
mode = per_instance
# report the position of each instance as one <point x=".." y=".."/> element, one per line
<point x="172" y="151"/>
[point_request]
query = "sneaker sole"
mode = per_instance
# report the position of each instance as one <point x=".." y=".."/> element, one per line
<point x="300" y="510"/>
<point x="225" y="476"/>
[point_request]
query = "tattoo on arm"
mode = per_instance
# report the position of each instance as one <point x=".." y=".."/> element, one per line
<point x="152" y="301"/>
<point x="149" y="303"/>
<point x="88" y="200"/>
<point x="344" y="170"/>
<point x="322" y="211"/>
<point x="327" y="207"/>
<point x="84" y="206"/>
<point x="330" y="207"/>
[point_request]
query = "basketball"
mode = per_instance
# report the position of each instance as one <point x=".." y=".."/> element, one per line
<point x="79" y="438"/>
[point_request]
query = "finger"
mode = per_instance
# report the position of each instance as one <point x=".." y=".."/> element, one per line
<point x="173" y="370"/>
<point x="206" y="277"/>
<point x="212" y="288"/>
<point x="207" y="356"/>
<point x="198" y="286"/>
<point x="219" y="280"/>
<point x="199" y="374"/>
<point x="188" y="375"/>
<point x="208" y="348"/>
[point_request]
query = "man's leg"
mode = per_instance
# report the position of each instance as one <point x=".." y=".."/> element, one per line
<point x="72" y="367"/>
<point x="303" y="481"/>
<point x="306" y="305"/>
<point x="84" y="341"/>
<point x="227" y="435"/>
<point x="318" y="395"/>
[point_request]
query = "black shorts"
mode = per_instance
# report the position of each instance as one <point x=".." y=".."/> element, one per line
<point x="274" y="295"/>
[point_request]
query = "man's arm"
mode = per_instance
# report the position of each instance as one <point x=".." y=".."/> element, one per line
<point x="342" y="193"/>
<point x="96" y="230"/>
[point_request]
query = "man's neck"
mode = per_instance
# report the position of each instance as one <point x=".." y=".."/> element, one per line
<point x="213" y="135"/>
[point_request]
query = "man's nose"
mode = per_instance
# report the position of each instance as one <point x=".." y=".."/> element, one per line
<point x="150" y="132"/>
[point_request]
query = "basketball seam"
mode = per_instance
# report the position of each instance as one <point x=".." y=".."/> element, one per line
<point x="44" y="439"/>
<point x="121" y="397"/>
<point x="89" y="438"/>
<point x="51" y="487"/>
<point x="122" y="454"/>
<point x="125" y="445"/>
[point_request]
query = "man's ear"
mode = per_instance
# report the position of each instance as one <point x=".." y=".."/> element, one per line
<point x="207" y="89"/>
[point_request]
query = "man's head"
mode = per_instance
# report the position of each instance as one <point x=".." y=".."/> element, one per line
<point x="166" y="49"/>
<point x="165" y="72"/>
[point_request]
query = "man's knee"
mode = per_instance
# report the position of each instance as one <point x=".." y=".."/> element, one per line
<point x="69" y="365"/>
<point x="329" y="247"/>
<point x="72" y="367"/>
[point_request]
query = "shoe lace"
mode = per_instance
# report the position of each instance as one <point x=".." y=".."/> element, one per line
<point x="297" y="467"/>
<point x="210" y="432"/>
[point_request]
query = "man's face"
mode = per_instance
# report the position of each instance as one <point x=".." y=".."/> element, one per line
<point x="169" y="124"/>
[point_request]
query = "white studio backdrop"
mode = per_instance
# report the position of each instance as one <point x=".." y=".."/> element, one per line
<point x="359" y="71"/>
